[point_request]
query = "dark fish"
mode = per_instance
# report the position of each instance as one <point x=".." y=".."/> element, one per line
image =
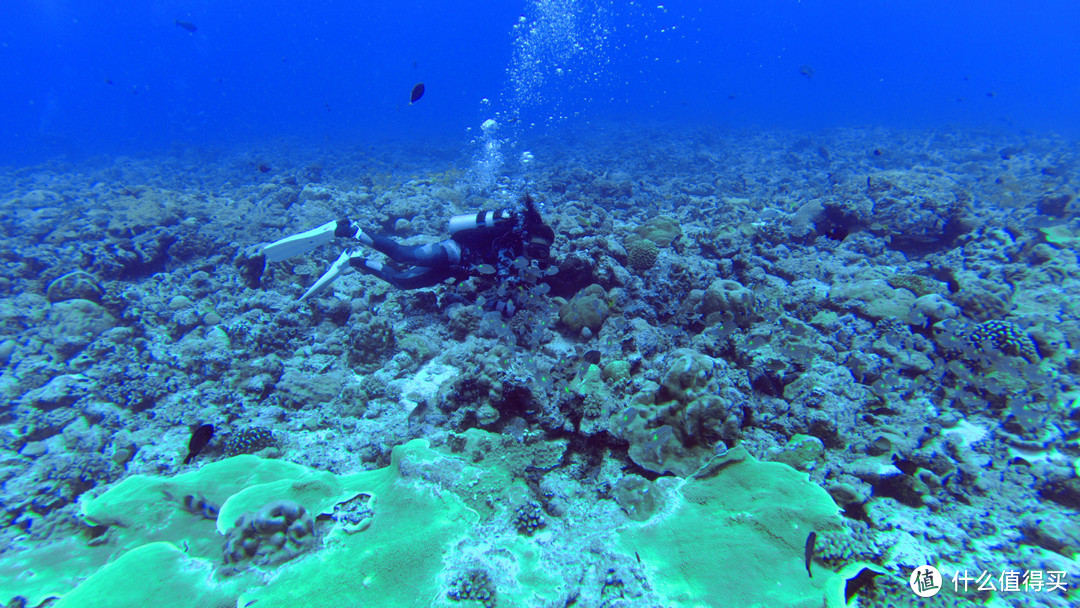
<point x="810" y="540"/>
<point x="417" y="93"/>
<point x="593" y="356"/>
<point x="807" y="71"/>
<point x="862" y="579"/>
<point x="199" y="438"/>
<point x="187" y="25"/>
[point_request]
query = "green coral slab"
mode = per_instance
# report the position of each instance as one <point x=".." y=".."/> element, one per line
<point x="736" y="538"/>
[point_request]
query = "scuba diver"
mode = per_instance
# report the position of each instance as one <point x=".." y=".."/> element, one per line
<point x="479" y="243"/>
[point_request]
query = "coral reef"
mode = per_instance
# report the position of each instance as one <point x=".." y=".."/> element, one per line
<point x="878" y="346"/>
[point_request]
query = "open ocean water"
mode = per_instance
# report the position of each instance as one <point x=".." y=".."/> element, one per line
<point x="791" y="319"/>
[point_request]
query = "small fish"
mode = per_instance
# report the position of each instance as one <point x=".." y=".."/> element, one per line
<point x="807" y="71"/>
<point x="810" y="540"/>
<point x="484" y="268"/>
<point x="671" y="330"/>
<point x="757" y="341"/>
<point x="188" y="26"/>
<point x="592" y="356"/>
<point x="769" y="214"/>
<point x="775" y="365"/>
<point x="199" y="438"/>
<point x="417" y="93"/>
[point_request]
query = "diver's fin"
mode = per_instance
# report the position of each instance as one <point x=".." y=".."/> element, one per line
<point x="306" y="241"/>
<point x="330" y="275"/>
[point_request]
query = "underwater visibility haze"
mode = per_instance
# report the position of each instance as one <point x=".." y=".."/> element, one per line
<point x="539" y="303"/>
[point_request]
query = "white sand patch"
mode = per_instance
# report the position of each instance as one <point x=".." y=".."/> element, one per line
<point x="424" y="385"/>
<point x="970" y="433"/>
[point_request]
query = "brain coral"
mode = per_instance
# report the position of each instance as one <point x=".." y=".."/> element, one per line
<point x="642" y="253"/>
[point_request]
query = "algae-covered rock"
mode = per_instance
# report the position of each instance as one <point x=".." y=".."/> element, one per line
<point x="689" y="375"/>
<point x="637" y="496"/>
<point x="675" y="427"/>
<point x="802" y="452"/>
<point x="934" y="307"/>
<point x="593" y="401"/>
<point x="616" y="371"/>
<point x="661" y="230"/>
<point x="724" y="295"/>
<point x="304" y="382"/>
<point x="874" y="298"/>
<point x="1061" y="236"/>
<point x="588" y="308"/>
<point x="61" y="391"/>
<point x="918" y="209"/>
<point x="75" y="285"/>
<point x="76" y="323"/>
<point x="917" y="284"/>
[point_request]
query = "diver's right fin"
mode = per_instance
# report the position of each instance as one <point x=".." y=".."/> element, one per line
<point x="306" y="241"/>
<point x="339" y="266"/>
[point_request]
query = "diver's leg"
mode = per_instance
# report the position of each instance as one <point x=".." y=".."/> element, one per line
<point x="432" y="255"/>
<point x="412" y="277"/>
<point x="306" y="241"/>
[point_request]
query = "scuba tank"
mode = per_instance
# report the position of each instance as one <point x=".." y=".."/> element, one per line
<point x="480" y="219"/>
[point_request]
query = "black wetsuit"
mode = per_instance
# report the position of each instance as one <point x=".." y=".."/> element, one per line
<point x="419" y="266"/>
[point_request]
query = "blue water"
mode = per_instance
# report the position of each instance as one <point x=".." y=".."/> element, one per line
<point x="80" y="78"/>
